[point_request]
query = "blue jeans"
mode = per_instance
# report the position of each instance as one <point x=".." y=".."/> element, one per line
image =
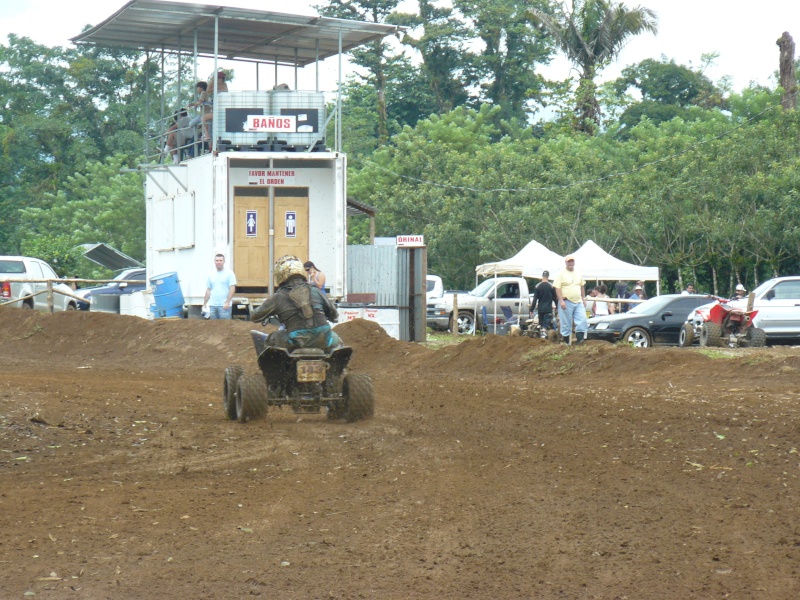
<point x="575" y="312"/>
<point x="217" y="312"/>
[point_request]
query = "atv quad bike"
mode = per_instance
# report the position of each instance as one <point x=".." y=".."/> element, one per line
<point x="728" y="326"/>
<point x="305" y="379"/>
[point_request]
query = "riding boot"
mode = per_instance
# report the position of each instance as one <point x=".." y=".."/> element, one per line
<point x="565" y="339"/>
<point x="580" y="336"/>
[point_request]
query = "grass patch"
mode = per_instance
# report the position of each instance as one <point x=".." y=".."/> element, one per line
<point x="36" y="329"/>
<point x="438" y="340"/>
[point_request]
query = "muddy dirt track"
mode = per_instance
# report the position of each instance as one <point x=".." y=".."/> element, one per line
<point x="498" y="468"/>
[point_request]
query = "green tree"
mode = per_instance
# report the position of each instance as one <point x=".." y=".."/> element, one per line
<point x="591" y="34"/>
<point x="98" y="204"/>
<point x="505" y="66"/>
<point x="667" y="91"/>
<point x="372" y="56"/>
<point x="441" y="45"/>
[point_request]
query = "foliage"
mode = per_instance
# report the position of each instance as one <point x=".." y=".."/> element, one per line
<point x="667" y="91"/>
<point x="591" y="35"/>
<point x="711" y="200"/>
<point x="99" y="204"/>
<point x="57" y="250"/>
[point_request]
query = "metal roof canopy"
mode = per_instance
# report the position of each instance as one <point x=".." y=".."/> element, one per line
<point x="244" y="34"/>
<point x="109" y="257"/>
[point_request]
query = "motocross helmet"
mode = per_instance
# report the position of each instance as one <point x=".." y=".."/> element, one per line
<point x="286" y="266"/>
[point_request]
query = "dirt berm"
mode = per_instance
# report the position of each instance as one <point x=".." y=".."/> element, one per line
<point x="497" y="468"/>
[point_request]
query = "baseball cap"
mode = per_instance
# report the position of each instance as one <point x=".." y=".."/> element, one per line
<point x="569" y="257"/>
<point x="740" y="288"/>
<point x="638" y="287"/>
<point x="545" y="273"/>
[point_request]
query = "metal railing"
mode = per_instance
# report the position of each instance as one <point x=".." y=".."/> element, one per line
<point x="50" y="291"/>
<point x="160" y="150"/>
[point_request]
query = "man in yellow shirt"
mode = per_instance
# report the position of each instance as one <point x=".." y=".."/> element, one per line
<point x="570" y="291"/>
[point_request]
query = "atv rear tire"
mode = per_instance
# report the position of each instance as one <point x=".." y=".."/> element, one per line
<point x="755" y="337"/>
<point x="251" y="397"/>
<point x="711" y="335"/>
<point x="232" y="375"/>
<point x="686" y="336"/>
<point x="359" y="395"/>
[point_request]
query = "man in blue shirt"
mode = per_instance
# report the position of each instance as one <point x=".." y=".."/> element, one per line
<point x="220" y="286"/>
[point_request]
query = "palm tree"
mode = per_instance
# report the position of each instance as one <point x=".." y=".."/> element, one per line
<point x="592" y="34"/>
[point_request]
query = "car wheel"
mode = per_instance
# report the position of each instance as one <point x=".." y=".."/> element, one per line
<point x="638" y="337"/>
<point x="466" y="322"/>
<point x="27" y="305"/>
<point x="71" y="306"/>
<point x="711" y="335"/>
<point x="359" y="394"/>
<point x="686" y="336"/>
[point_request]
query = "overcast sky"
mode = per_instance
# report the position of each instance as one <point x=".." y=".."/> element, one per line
<point x="743" y="34"/>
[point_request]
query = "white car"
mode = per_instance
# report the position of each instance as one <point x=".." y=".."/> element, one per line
<point x="18" y="279"/>
<point x="777" y="302"/>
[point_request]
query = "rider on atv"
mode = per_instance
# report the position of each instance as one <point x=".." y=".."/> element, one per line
<point x="302" y="309"/>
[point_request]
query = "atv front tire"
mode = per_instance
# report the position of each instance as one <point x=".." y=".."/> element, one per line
<point x="251" y="397"/>
<point x="359" y="395"/>
<point x="232" y="375"/>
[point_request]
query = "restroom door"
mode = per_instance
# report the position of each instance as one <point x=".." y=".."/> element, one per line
<point x="291" y="224"/>
<point x="251" y="237"/>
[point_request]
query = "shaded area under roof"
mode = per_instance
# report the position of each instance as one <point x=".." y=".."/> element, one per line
<point x="244" y="34"/>
<point x="108" y="257"/>
<point x="356" y="208"/>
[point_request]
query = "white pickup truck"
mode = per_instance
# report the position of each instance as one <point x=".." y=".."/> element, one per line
<point x="16" y="273"/>
<point x="492" y="294"/>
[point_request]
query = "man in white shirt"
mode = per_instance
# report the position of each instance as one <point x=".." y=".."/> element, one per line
<point x="220" y="287"/>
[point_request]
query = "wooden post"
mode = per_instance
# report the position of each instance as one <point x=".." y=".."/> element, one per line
<point x="454" y="316"/>
<point x="50" y="306"/>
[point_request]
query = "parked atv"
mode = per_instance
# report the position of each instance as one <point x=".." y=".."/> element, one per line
<point x="306" y="379"/>
<point x="728" y="326"/>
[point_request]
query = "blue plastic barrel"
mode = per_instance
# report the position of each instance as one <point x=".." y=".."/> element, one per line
<point x="167" y="295"/>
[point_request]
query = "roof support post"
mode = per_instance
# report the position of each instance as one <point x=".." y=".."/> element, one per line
<point x="194" y="57"/>
<point x="316" y="64"/>
<point x="180" y="73"/>
<point x="215" y="126"/>
<point x="147" y="102"/>
<point x="339" y="100"/>
<point x="162" y="128"/>
<point x="295" y="69"/>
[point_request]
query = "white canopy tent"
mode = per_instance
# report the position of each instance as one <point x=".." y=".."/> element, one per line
<point x="528" y="262"/>
<point x="595" y="263"/>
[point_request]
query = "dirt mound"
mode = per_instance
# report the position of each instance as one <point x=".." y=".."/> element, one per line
<point x="373" y="348"/>
<point x="85" y="338"/>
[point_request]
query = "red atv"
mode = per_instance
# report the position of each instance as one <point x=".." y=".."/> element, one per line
<point x="729" y="326"/>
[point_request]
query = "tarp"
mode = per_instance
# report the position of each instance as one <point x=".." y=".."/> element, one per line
<point x="528" y="262"/>
<point x="595" y="263"/>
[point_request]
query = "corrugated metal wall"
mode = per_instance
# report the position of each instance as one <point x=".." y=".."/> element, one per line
<point x="373" y="270"/>
<point x="395" y="276"/>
